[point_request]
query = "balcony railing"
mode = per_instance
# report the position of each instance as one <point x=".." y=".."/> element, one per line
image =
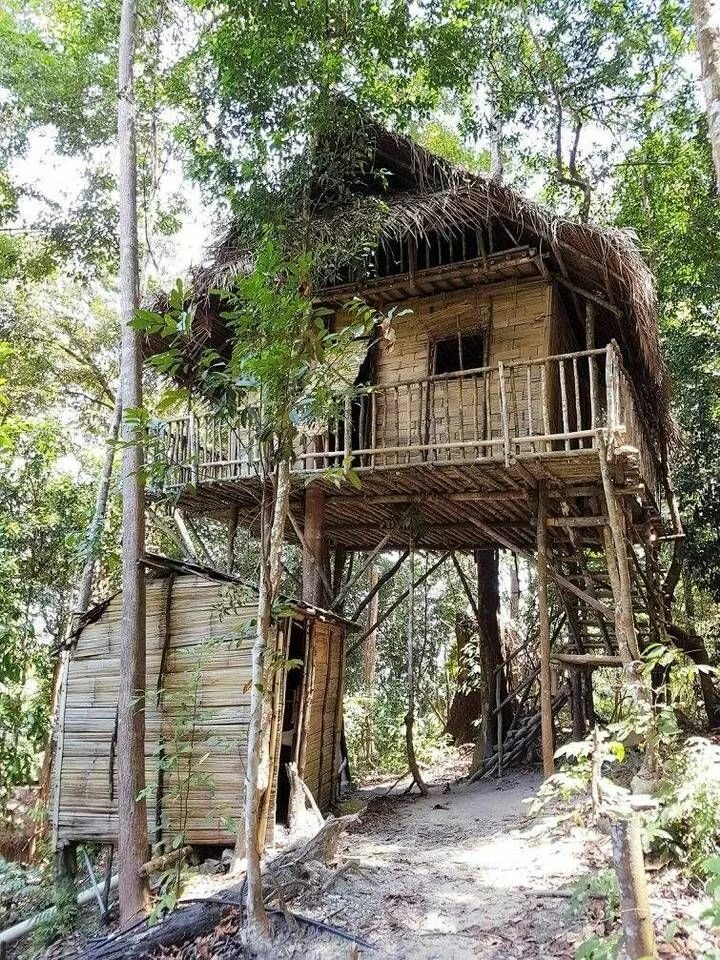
<point x="543" y="407"/>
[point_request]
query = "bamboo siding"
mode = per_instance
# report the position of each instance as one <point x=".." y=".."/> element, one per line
<point x="202" y="642"/>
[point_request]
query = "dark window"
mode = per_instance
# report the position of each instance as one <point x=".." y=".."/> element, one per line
<point x="464" y="351"/>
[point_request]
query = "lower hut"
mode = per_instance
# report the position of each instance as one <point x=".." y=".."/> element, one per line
<point x="200" y="628"/>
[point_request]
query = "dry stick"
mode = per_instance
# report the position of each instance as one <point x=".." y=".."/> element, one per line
<point x="158" y="864"/>
<point x="338" y="602"/>
<point x="396" y="603"/>
<point x="495" y="535"/>
<point x="187" y="540"/>
<point x="379" y="584"/>
<point x="232" y="533"/>
<point x="199" y="541"/>
<point x="410" y="716"/>
<point x="630" y="872"/>
<point x="187" y="550"/>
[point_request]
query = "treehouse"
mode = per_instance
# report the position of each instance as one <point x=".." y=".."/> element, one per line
<point x="522" y="404"/>
<point x="200" y="628"/>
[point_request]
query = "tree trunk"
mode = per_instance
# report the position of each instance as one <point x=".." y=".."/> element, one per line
<point x="466" y="707"/>
<point x="315" y="561"/>
<point x="707" y="26"/>
<point x="257" y="774"/>
<point x="132" y="816"/>
<point x="489" y="652"/>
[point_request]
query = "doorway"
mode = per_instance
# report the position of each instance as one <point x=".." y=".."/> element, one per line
<point x="292" y="718"/>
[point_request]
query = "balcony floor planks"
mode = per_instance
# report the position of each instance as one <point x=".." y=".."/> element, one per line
<point x="497" y="494"/>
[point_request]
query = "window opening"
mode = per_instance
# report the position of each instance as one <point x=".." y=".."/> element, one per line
<point x="463" y="351"/>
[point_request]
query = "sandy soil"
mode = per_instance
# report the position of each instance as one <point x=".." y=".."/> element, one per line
<point x="456" y="875"/>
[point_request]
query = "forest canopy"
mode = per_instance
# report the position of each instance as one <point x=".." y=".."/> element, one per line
<point x="248" y="119"/>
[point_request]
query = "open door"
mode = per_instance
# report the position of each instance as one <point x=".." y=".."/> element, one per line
<point x="292" y="719"/>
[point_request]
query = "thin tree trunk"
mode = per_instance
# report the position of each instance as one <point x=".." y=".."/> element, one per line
<point x="97" y="523"/>
<point x="466" y="707"/>
<point x="487" y="608"/>
<point x="315" y="559"/>
<point x="132" y="815"/>
<point x="410" y="715"/>
<point x="81" y="605"/>
<point x="257" y="778"/>
<point x="707" y="26"/>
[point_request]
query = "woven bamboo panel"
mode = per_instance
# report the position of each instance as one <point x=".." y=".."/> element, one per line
<point x="203" y="643"/>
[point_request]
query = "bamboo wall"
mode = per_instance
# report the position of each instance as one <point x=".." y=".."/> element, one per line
<point x="515" y="321"/>
<point x="323" y="718"/>
<point x="204" y="703"/>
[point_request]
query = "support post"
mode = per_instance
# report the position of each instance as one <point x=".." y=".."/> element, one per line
<point x="634" y="905"/>
<point x="315" y="551"/>
<point x="546" y="722"/>
<point x="410" y="716"/>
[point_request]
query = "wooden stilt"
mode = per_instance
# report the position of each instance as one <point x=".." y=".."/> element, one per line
<point x="576" y="705"/>
<point x="546" y="723"/>
<point x="315" y="552"/>
<point x="410" y="716"/>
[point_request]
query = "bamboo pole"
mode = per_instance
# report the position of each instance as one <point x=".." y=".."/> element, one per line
<point x="546" y="722"/>
<point x="630" y="872"/>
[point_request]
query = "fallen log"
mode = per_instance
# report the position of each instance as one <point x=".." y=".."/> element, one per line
<point x="158" y="864"/>
<point x="286" y="878"/>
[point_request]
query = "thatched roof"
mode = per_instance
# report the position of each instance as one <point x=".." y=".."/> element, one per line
<point x="418" y="197"/>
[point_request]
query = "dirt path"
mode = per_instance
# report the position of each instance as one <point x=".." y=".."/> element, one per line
<point x="455" y="875"/>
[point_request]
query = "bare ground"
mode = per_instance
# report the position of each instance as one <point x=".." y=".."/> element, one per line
<point x="456" y="875"/>
<point x="465" y="872"/>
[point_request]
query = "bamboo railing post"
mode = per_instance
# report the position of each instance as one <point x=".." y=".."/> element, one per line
<point x="192" y="451"/>
<point x="564" y="403"/>
<point x="546" y="721"/>
<point x="610" y="379"/>
<point x="504" y="414"/>
<point x="544" y="405"/>
<point x="347" y="430"/>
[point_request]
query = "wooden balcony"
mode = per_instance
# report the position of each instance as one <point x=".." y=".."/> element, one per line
<point x="525" y="408"/>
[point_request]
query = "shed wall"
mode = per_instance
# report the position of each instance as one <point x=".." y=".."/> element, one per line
<point x="204" y="645"/>
<point x="216" y="696"/>
<point x="322" y="717"/>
